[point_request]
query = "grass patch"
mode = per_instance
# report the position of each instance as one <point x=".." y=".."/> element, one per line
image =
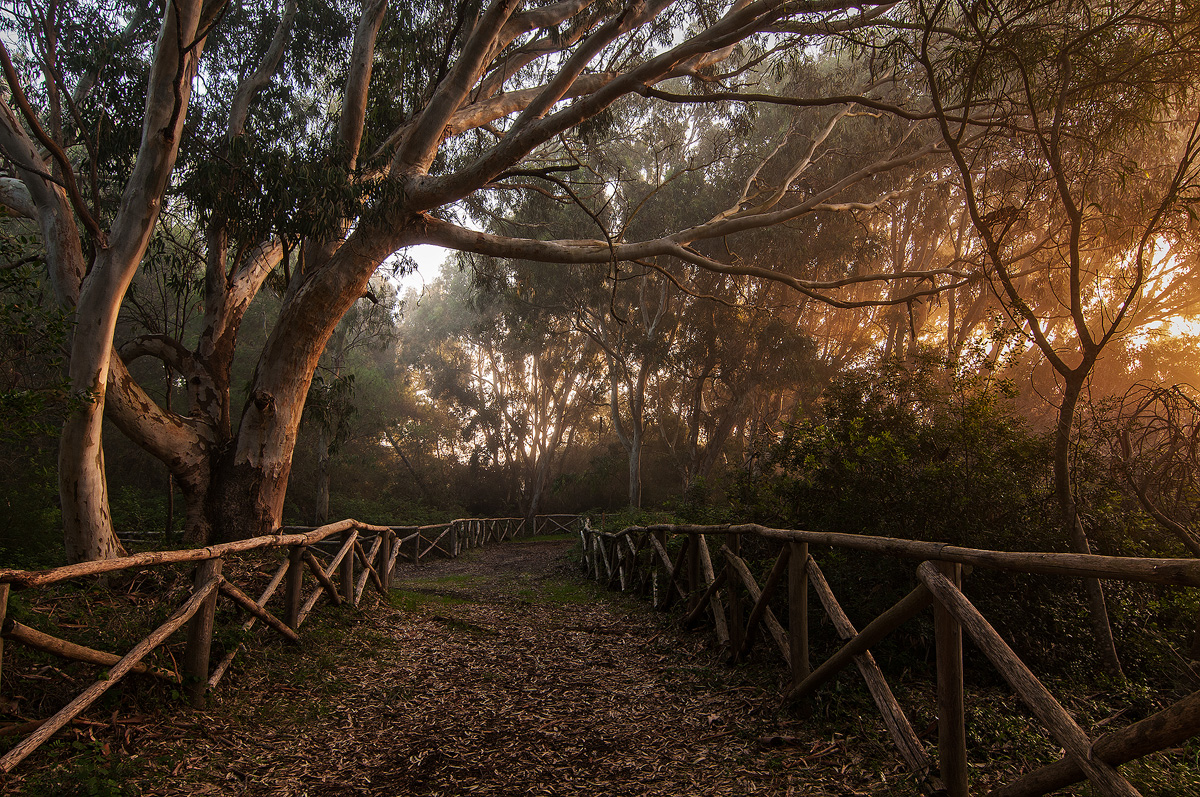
<point x="412" y="600"/>
<point x="83" y="769"/>
<point x="559" y="592"/>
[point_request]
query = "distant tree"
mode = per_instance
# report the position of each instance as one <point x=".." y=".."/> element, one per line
<point x="519" y="376"/>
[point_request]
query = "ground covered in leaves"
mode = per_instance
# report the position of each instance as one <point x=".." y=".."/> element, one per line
<point x="501" y="672"/>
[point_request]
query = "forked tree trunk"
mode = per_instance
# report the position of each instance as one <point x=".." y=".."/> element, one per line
<point x="250" y="480"/>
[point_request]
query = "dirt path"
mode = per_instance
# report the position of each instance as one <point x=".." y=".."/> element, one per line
<point x="499" y="673"/>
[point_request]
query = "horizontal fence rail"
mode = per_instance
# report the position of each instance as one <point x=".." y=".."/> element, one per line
<point x="334" y="563"/>
<point x="673" y="564"/>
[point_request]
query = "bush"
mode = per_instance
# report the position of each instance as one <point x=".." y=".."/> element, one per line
<point x="923" y="452"/>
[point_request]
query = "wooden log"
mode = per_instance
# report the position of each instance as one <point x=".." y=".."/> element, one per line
<point x="346" y="573"/>
<point x="860" y="642"/>
<point x="250" y="605"/>
<point x="20" y="579"/>
<point x="596" y="557"/>
<point x="324" y="580"/>
<point x="368" y="570"/>
<point x="31" y="637"/>
<point x="693" y="569"/>
<point x="703" y="604"/>
<point x="1053" y="716"/>
<point x="1168" y="728"/>
<point x="762" y="601"/>
<point x="614" y="554"/>
<point x="384" y="563"/>
<point x="219" y="671"/>
<point x="645" y="565"/>
<point x="343" y="552"/>
<point x="635" y="574"/>
<point x="435" y="544"/>
<point x="768" y="617"/>
<point x="118" y="671"/>
<point x="602" y="549"/>
<point x="396" y="544"/>
<point x="1178" y="572"/>
<point x="669" y="567"/>
<point x="798" y="611"/>
<point x="673" y="574"/>
<point x="293" y="592"/>
<point x="897" y="724"/>
<point x="4" y="590"/>
<point x="714" y="601"/>
<point x="328" y="571"/>
<point x="951" y="713"/>
<point x="199" y="636"/>
<point x="582" y="530"/>
<point x="415" y="540"/>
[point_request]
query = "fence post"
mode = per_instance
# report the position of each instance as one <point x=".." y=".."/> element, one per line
<point x="382" y="558"/>
<point x="952" y="733"/>
<point x="199" y="636"/>
<point x="294" y="586"/>
<point x="737" y="627"/>
<point x="693" y="570"/>
<point x="798" y="611"/>
<point x="347" y="570"/>
<point x="4" y="590"/>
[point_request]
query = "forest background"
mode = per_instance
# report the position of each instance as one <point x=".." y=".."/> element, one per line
<point x="919" y="269"/>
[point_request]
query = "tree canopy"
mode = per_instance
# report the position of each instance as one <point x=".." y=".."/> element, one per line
<point x="686" y="213"/>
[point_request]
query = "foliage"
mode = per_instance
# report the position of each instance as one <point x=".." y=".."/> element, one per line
<point x="33" y="337"/>
<point x="923" y="452"/>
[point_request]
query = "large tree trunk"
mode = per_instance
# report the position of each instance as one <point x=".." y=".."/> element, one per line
<point x="250" y="480"/>
<point x="83" y="492"/>
<point x="1064" y="491"/>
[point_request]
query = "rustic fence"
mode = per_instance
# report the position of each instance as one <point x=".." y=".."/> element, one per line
<point x="640" y="558"/>
<point x="334" y="563"/>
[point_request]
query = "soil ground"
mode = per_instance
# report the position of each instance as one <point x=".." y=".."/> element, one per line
<point x="498" y="673"/>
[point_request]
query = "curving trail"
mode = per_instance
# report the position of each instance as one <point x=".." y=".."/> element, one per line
<point x="500" y="673"/>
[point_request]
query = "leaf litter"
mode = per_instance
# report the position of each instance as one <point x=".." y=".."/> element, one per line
<point x="498" y="673"/>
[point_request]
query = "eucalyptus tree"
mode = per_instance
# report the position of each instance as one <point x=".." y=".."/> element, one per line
<point x="320" y="140"/>
<point x="1075" y="138"/>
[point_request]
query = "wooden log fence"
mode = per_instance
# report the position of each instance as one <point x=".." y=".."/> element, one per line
<point x="308" y="572"/>
<point x="674" y="562"/>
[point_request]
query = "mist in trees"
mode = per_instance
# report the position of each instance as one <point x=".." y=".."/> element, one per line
<point x="920" y="269"/>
